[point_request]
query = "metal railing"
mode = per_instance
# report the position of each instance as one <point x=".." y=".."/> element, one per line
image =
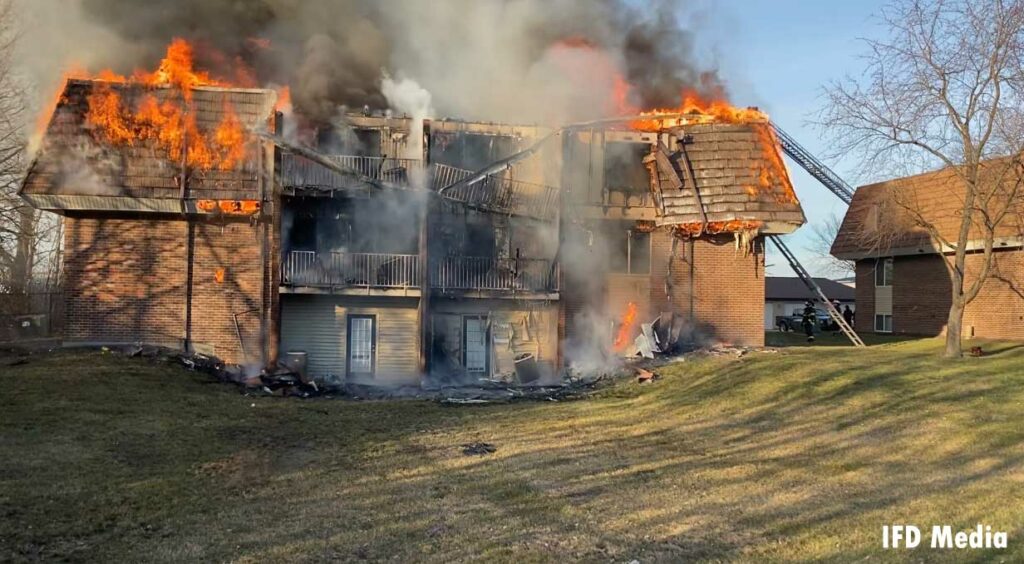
<point x="497" y="193"/>
<point x="395" y="171"/>
<point x="300" y="172"/>
<point x="337" y="270"/>
<point x="485" y="273"/>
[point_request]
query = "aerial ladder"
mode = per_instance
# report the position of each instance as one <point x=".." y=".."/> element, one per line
<point x="844" y="191"/>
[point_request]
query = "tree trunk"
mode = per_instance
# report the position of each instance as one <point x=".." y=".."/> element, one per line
<point x="24" y="255"/>
<point x="954" y="329"/>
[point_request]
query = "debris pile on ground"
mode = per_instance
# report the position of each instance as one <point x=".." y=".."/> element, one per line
<point x="478" y="449"/>
<point x="644" y="376"/>
<point x="289" y="379"/>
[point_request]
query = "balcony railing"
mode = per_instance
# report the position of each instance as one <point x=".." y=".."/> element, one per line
<point x="485" y="273"/>
<point x="339" y="270"/>
<point x="498" y="193"/>
<point x="300" y="172"/>
<point x="395" y="171"/>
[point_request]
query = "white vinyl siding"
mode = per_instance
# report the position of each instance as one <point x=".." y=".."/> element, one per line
<point x="317" y="325"/>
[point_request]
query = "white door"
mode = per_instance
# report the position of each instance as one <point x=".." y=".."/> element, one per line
<point x="362" y="345"/>
<point x="475" y="331"/>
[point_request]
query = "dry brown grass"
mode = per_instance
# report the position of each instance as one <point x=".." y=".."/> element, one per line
<point x="800" y="455"/>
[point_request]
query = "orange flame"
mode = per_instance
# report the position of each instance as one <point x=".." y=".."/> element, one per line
<point x="716" y="227"/>
<point x="626" y="328"/>
<point x="168" y="124"/>
<point x="284" y="100"/>
<point x="770" y="175"/>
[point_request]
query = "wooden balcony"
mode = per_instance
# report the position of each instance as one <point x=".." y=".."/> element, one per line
<point x="336" y="271"/>
<point x="494" y="275"/>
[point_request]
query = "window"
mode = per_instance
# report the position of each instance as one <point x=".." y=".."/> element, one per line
<point x="362" y="345"/>
<point x="883" y="272"/>
<point x="883" y="323"/>
<point x="470" y="151"/>
<point x="630" y="252"/>
<point x="475" y="341"/>
<point x="624" y="166"/>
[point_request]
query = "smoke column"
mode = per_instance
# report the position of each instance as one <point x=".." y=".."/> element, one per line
<point x="540" y="61"/>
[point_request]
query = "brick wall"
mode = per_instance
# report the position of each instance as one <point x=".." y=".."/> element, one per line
<point x="727" y="289"/>
<point x="127" y="281"/>
<point x="998" y="311"/>
<point x="921" y="296"/>
<point x="865" y="296"/>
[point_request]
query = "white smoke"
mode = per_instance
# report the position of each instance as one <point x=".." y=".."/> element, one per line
<point x="406" y="96"/>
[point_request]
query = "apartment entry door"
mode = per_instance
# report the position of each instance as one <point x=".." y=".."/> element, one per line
<point x="361" y="349"/>
<point x="476" y="352"/>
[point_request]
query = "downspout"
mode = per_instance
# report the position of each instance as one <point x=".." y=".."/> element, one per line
<point x="693" y="313"/>
<point x="186" y="337"/>
<point x="265" y="275"/>
<point x="425" y="322"/>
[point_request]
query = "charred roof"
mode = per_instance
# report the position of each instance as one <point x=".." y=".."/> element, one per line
<point x="80" y="157"/>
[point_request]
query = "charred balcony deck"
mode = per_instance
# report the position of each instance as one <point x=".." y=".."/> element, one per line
<point x="498" y="193"/>
<point x="298" y="172"/>
<point x="351" y="272"/>
<point x="388" y="273"/>
<point x="494" y="276"/>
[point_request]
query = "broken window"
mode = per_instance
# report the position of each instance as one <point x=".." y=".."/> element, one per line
<point x="629" y="251"/>
<point x="481" y="240"/>
<point x="349" y="141"/>
<point x="302" y="235"/>
<point x="470" y="151"/>
<point x="624" y="167"/>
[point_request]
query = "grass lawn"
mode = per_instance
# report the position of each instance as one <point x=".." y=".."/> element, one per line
<point x="798" y="455"/>
<point x="829" y="339"/>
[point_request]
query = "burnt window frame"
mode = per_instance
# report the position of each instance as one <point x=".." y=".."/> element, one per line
<point x="631" y="236"/>
<point x="639" y="170"/>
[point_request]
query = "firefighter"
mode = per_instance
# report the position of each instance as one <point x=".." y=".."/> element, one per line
<point x="810" y="316"/>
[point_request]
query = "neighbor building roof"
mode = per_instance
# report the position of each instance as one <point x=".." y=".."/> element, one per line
<point x="879" y="223"/>
<point x="781" y="288"/>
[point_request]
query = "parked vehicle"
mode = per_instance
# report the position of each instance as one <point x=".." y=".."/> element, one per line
<point x="795" y="321"/>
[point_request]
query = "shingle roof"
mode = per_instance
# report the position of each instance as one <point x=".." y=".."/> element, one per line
<point x="739" y="175"/>
<point x="937" y="196"/>
<point x="792" y="289"/>
<point x="72" y="161"/>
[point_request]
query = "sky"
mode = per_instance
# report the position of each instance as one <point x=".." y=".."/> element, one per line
<point x="777" y="55"/>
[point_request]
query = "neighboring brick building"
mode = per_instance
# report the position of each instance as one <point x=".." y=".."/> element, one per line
<point x="346" y="258"/>
<point x="903" y="285"/>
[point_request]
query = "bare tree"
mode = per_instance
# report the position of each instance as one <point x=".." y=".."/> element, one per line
<point x="29" y="246"/>
<point x="944" y="89"/>
<point x="820" y="246"/>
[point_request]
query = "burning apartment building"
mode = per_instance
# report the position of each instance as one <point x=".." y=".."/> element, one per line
<point x="388" y="249"/>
